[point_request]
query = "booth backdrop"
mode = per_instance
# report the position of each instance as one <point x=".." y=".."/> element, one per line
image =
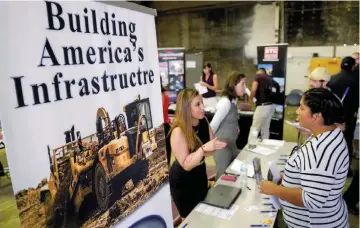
<point x="172" y="71"/>
<point x="274" y="59"/>
<point x="79" y="98"/>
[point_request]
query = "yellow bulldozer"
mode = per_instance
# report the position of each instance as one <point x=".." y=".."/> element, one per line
<point x="100" y="164"/>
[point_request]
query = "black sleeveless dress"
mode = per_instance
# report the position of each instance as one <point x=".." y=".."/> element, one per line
<point x="188" y="188"/>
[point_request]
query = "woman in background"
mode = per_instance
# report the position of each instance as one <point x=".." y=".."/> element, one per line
<point x="225" y="121"/>
<point x="210" y="81"/>
<point x="314" y="177"/>
<point x="166" y="104"/>
<point x="191" y="141"/>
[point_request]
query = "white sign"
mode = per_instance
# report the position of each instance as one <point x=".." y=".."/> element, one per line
<point x="190" y="64"/>
<point x="70" y="76"/>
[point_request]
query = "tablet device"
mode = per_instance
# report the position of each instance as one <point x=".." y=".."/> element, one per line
<point x="222" y="196"/>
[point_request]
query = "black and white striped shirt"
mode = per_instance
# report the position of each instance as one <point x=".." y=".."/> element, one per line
<point x="320" y="168"/>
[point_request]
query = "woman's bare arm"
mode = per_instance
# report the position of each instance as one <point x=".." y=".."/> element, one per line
<point x="181" y="150"/>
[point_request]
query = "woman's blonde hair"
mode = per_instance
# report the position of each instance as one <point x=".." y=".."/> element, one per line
<point x="183" y="118"/>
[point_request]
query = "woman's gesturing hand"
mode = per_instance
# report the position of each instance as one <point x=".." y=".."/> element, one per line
<point x="212" y="146"/>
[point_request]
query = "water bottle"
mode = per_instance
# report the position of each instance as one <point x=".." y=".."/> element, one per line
<point x="243" y="175"/>
<point x="254" y="138"/>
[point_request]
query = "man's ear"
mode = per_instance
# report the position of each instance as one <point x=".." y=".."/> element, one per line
<point x="326" y="83"/>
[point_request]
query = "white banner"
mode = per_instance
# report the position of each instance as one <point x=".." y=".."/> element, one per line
<point x="80" y="105"/>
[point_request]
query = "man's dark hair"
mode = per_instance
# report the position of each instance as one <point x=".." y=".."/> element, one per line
<point x="231" y="81"/>
<point x="263" y="69"/>
<point x="321" y="100"/>
<point x="348" y="63"/>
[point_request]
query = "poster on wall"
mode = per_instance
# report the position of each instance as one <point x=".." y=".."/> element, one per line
<point x="79" y="105"/>
<point x="273" y="58"/>
<point x="172" y="70"/>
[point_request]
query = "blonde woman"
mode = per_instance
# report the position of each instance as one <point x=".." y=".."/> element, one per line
<point x="191" y="140"/>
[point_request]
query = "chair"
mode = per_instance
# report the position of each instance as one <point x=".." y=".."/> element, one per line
<point x="293" y="99"/>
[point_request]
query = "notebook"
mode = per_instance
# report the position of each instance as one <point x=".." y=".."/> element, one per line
<point x="222" y="196"/>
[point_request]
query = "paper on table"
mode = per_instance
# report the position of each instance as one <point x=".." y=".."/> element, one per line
<point x="262" y="150"/>
<point x="216" y="211"/>
<point x="201" y="89"/>
<point x="272" y="142"/>
<point x="235" y="166"/>
<point x="200" y="207"/>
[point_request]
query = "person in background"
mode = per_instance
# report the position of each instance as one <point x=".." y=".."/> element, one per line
<point x="166" y="104"/>
<point x="355" y="55"/>
<point x="210" y="80"/>
<point x="351" y="195"/>
<point x="191" y="141"/>
<point x="261" y="89"/>
<point x="319" y="78"/>
<point x="225" y="121"/>
<point x="346" y="87"/>
<point x="314" y="176"/>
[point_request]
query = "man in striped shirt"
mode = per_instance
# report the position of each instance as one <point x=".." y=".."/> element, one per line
<point x="314" y="176"/>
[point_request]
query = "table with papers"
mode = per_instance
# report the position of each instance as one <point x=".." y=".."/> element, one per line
<point x="246" y="210"/>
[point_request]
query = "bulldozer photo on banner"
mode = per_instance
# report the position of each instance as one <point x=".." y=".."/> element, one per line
<point x="96" y="180"/>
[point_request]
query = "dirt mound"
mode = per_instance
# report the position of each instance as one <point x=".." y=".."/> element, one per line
<point x="157" y="176"/>
<point x="30" y="210"/>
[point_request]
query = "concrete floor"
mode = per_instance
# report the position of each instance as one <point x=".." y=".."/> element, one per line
<point x="9" y="213"/>
<point x="9" y="217"/>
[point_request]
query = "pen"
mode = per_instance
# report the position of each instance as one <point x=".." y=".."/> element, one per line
<point x="266" y="198"/>
<point x="259" y="225"/>
<point x="280" y="163"/>
<point x="185" y="225"/>
<point x="267" y="211"/>
<point x="283" y="159"/>
<point x="284" y="155"/>
<point x="267" y="204"/>
<point x="248" y="188"/>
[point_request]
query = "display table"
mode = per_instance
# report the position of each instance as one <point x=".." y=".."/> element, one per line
<point x="252" y="197"/>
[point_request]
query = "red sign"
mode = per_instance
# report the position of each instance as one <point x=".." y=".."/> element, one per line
<point x="271" y="53"/>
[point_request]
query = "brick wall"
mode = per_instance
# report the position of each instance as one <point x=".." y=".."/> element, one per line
<point x="227" y="35"/>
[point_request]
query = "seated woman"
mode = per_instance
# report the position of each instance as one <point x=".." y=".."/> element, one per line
<point x="225" y="121"/>
<point x="210" y="80"/>
<point x="314" y="175"/>
<point x="191" y="140"/>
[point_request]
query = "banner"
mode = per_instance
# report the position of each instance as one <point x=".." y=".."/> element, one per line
<point x="80" y="100"/>
<point x="172" y="70"/>
<point x="273" y="58"/>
